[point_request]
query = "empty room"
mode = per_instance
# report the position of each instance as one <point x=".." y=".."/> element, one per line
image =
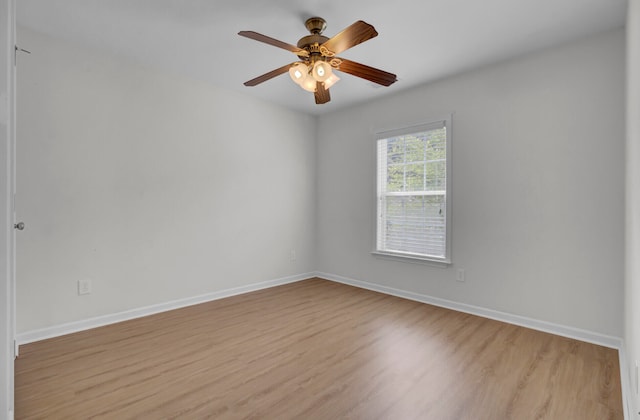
<point x="320" y="210"/>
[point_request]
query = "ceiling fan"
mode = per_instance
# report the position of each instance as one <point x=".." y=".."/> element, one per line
<point x="317" y="58"/>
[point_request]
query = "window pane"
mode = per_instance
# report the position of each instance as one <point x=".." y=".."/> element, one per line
<point x="395" y="150"/>
<point x="415" y="224"/>
<point x="436" y="178"/>
<point x="414" y="177"/>
<point x="414" y="148"/>
<point x="395" y="178"/>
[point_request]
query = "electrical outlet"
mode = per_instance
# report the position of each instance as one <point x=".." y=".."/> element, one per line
<point x="460" y="274"/>
<point x="292" y="255"/>
<point x="84" y="287"/>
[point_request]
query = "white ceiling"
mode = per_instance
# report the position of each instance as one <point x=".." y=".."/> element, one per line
<point x="420" y="41"/>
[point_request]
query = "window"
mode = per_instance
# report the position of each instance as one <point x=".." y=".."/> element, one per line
<point x="414" y="190"/>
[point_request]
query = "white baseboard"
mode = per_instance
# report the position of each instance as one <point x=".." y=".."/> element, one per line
<point x="557" y="329"/>
<point x="99" y="321"/>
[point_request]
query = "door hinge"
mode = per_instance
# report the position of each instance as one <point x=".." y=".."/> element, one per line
<point x="16" y="349"/>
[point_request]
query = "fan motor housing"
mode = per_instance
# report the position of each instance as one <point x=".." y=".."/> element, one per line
<point x="315" y="25"/>
<point x="309" y="41"/>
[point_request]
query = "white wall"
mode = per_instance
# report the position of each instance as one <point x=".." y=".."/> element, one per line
<point x="7" y="130"/>
<point x="155" y="187"/>
<point x="538" y="190"/>
<point x="632" y="226"/>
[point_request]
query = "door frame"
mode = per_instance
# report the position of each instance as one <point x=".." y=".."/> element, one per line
<point x="7" y="216"/>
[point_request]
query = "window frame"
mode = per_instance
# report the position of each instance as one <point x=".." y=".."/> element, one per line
<point x="429" y="124"/>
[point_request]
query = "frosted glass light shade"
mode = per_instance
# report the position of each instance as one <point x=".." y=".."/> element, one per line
<point x="332" y="80"/>
<point x="309" y="84"/>
<point x="298" y="72"/>
<point x="321" y="71"/>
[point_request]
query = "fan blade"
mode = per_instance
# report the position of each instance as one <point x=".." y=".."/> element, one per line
<point x="267" y="76"/>
<point x="322" y="94"/>
<point x="372" y="74"/>
<point x="351" y="36"/>
<point x="272" y="41"/>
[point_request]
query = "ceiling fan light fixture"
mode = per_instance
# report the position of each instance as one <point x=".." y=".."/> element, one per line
<point x="317" y="58"/>
<point x="298" y="72"/>
<point x="309" y="83"/>
<point x="321" y="71"/>
<point x="331" y="80"/>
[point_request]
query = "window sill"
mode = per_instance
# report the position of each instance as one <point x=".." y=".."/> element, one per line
<point x="441" y="263"/>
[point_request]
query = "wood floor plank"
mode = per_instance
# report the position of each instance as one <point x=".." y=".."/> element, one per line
<point x="316" y="350"/>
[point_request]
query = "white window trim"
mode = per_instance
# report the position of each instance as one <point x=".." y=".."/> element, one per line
<point x="407" y="129"/>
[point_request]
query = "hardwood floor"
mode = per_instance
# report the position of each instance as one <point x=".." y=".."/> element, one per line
<point x="316" y="350"/>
